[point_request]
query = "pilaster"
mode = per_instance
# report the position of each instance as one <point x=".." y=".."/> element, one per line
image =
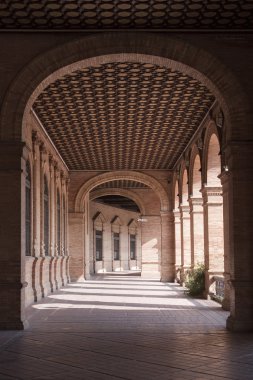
<point x="167" y="247"/>
<point x="197" y="231"/>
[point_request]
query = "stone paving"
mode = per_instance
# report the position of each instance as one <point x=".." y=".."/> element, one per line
<point x="125" y="327"/>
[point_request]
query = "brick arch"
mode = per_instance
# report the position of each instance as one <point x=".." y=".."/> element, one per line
<point x="121" y="175"/>
<point x="211" y="156"/>
<point x="175" y="199"/>
<point x="123" y="192"/>
<point x="161" y="50"/>
<point x="183" y="184"/>
<point x="195" y="178"/>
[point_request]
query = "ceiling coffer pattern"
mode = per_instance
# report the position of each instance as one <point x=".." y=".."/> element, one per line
<point x="120" y="116"/>
<point x="122" y="184"/>
<point x="125" y="14"/>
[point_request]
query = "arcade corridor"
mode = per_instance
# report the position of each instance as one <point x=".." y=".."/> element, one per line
<point x="125" y="327"/>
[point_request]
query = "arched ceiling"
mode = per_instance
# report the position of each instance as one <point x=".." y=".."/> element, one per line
<point x="126" y="14"/>
<point x="123" y="115"/>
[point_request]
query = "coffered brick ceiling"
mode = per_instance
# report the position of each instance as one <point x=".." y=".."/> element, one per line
<point x="122" y="115"/>
<point x="126" y="14"/>
<point x="122" y="184"/>
<point x="119" y="202"/>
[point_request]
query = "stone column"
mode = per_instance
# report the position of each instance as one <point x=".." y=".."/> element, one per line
<point x="178" y="261"/>
<point x="185" y="239"/>
<point x="167" y="247"/>
<point x="213" y="234"/>
<point x="197" y="231"/>
<point x="238" y="233"/>
<point x="76" y="246"/>
<point x="12" y="235"/>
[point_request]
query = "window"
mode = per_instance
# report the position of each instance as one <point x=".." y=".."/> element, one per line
<point x="116" y="246"/>
<point x="132" y="247"/>
<point x="28" y="210"/>
<point x="46" y="217"/>
<point x="99" y="243"/>
<point x="58" y="223"/>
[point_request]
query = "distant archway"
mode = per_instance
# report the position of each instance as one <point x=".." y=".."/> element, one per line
<point x="123" y="192"/>
<point x="121" y="175"/>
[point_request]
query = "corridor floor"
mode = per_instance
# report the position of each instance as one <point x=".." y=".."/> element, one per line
<point x="124" y="327"/>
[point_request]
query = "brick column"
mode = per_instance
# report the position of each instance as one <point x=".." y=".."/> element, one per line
<point x="178" y="254"/>
<point x="63" y="267"/>
<point x="238" y="188"/>
<point x="76" y="246"/>
<point x="197" y="231"/>
<point x="151" y="246"/>
<point x="12" y="236"/>
<point x="86" y="235"/>
<point x="36" y="207"/>
<point x="167" y="247"/>
<point x="57" y="247"/>
<point x="53" y="251"/>
<point x="36" y="195"/>
<point x="41" y="271"/>
<point x="226" y="215"/>
<point x="185" y="238"/>
<point x="67" y="230"/>
<point x="213" y="234"/>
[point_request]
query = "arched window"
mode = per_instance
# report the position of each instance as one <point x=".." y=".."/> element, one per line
<point x="58" y="222"/>
<point x="46" y="217"/>
<point x="28" y="210"/>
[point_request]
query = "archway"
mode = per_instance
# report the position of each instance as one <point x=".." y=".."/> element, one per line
<point x="162" y="50"/>
<point x="159" y="253"/>
<point x="185" y="223"/>
<point x="213" y="215"/>
<point x="123" y="192"/>
<point x="196" y="209"/>
<point x="189" y="59"/>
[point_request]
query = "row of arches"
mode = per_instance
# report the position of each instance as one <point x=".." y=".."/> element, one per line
<point x="114" y="240"/>
<point x="46" y="218"/>
<point x="198" y="212"/>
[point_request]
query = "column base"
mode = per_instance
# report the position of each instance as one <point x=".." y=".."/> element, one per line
<point x="150" y="275"/>
<point x="14" y="325"/>
<point x="239" y="325"/>
<point x="168" y="277"/>
<point x="225" y="304"/>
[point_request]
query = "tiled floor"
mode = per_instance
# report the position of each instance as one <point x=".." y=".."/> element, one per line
<point x="124" y="327"/>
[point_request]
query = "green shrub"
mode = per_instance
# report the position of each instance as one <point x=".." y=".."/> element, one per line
<point x="195" y="281"/>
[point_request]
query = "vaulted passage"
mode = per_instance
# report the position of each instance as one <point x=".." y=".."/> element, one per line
<point x="126" y="154"/>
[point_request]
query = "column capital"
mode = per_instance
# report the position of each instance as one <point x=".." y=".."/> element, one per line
<point x="35" y="138"/>
<point x="169" y="215"/>
<point x="212" y="195"/>
<point x="196" y="201"/>
<point x="196" y="205"/>
<point x="185" y="208"/>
